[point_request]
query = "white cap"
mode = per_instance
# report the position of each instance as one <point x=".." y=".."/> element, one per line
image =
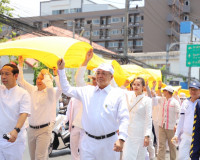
<point x="169" y="88"/>
<point x="182" y="95"/>
<point x="105" y="67"/>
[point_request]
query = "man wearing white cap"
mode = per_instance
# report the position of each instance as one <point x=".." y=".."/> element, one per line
<point x="185" y="124"/>
<point x="170" y="112"/>
<point x="104" y="112"/>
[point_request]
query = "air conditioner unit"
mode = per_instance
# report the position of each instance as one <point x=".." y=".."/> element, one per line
<point x="65" y="22"/>
<point x="136" y="36"/>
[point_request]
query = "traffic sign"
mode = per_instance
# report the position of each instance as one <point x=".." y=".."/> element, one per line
<point x="193" y="55"/>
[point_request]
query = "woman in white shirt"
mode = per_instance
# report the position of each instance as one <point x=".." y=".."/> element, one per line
<point x="140" y="123"/>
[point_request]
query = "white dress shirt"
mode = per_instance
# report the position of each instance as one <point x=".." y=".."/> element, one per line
<point x="12" y="102"/>
<point x="43" y="102"/>
<point x="170" y="111"/>
<point x="185" y="124"/>
<point x="104" y="110"/>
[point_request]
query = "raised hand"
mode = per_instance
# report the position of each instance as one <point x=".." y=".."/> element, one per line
<point x="21" y="61"/>
<point x="88" y="57"/>
<point x="61" y="64"/>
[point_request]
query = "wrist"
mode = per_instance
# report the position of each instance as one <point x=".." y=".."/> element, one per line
<point x="17" y="129"/>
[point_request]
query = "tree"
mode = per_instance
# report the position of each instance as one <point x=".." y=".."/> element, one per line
<point x="6" y="10"/>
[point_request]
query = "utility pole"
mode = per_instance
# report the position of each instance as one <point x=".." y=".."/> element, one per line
<point x="91" y="33"/>
<point x="126" y="28"/>
<point x="167" y="60"/>
<point x="191" y="42"/>
<point x="73" y="29"/>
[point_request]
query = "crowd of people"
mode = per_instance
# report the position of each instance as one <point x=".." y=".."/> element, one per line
<point x="106" y="122"/>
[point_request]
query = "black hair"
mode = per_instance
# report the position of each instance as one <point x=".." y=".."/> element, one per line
<point x="140" y="78"/>
<point x="15" y="69"/>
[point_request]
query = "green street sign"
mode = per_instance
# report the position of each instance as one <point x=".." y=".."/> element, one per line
<point x="193" y="55"/>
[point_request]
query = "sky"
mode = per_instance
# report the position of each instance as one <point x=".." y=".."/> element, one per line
<point x="29" y="8"/>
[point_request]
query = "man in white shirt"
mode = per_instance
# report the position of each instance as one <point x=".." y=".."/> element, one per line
<point x="43" y="109"/>
<point x="185" y="124"/>
<point x="14" y="108"/>
<point x="104" y="112"/>
<point x="170" y="108"/>
<point x="75" y="109"/>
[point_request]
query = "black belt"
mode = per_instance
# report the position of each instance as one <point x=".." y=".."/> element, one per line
<point x="41" y="126"/>
<point x="101" y="137"/>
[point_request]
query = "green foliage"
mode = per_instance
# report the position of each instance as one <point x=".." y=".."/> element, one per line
<point x="5" y="10"/>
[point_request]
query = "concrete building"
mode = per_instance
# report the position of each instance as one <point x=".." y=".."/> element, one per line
<point x="177" y="59"/>
<point x="151" y="28"/>
<point x="55" y="7"/>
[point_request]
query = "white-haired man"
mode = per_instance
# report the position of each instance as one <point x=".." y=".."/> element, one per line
<point x="104" y="112"/>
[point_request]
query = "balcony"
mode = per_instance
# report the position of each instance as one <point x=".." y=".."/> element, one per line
<point x="173" y="32"/>
<point x="171" y="18"/>
<point x="186" y="9"/>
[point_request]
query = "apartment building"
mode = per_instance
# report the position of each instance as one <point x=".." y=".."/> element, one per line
<point x="151" y="28"/>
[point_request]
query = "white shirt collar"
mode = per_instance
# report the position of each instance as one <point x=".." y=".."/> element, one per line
<point x="107" y="88"/>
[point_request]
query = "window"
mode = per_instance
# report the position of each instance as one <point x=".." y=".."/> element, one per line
<point x="113" y="44"/>
<point x="55" y="12"/>
<point x="66" y="11"/>
<point x="137" y="18"/>
<point x="139" y="43"/>
<point x="109" y="20"/>
<point x="187" y="3"/>
<point x="186" y="18"/>
<point x="142" y="17"/>
<point x="130" y="43"/>
<point x="86" y="34"/>
<point x="95" y="33"/>
<point x="115" y="20"/>
<point x="141" y="30"/>
<point x="131" y="19"/>
<point x="103" y="21"/>
<point x="122" y="19"/>
<point x="115" y="32"/>
<point x="95" y="21"/>
<point x="45" y="25"/>
<point x="101" y="44"/>
<point x="69" y="23"/>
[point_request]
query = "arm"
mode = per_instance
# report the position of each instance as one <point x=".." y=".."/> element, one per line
<point x="148" y="122"/>
<point x="67" y="89"/>
<point x="79" y="77"/>
<point x="148" y="90"/>
<point x="24" y="84"/>
<point x="24" y="112"/>
<point x="123" y="118"/>
<point x="159" y="88"/>
<point x="20" y="123"/>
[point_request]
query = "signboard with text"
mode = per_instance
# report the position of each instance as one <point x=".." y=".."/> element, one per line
<point x="193" y="55"/>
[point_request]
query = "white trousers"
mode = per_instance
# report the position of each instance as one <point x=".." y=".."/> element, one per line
<point x="75" y="140"/>
<point x="134" y="149"/>
<point x="151" y="149"/>
<point x="184" y="147"/>
<point x="14" y="152"/>
<point x="93" y="149"/>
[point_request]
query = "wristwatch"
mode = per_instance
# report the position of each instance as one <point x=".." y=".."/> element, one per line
<point x="17" y="129"/>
